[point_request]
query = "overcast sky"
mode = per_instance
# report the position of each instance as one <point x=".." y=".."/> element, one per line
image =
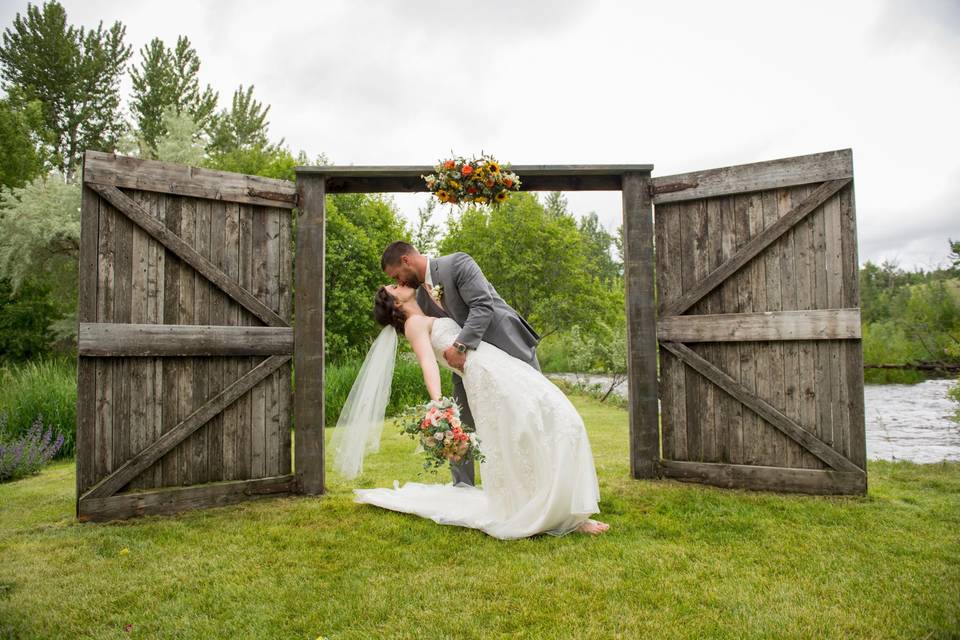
<point x="680" y="85"/>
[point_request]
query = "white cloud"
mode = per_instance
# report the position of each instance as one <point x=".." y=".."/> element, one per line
<point x="681" y="85"/>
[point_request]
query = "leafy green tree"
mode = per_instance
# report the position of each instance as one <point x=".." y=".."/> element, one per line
<point x="597" y="244"/>
<point x="74" y="73"/>
<point x="180" y="141"/>
<point x="358" y="227"/>
<point x="39" y="244"/>
<point x="22" y="140"/>
<point x="536" y="260"/>
<point x="426" y="235"/>
<point x="167" y="78"/>
<point x="26" y="317"/>
<point x="243" y="126"/>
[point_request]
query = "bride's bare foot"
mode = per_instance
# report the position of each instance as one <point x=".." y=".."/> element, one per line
<point x="593" y="527"/>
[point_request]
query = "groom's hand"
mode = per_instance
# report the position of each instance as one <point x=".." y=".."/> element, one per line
<point x="454" y="358"/>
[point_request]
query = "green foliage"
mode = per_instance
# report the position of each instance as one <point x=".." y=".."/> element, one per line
<point x="74" y="73"/>
<point x="242" y="127"/>
<point x="167" y="80"/>
<point x="597" y="243"/>
<point x="953" y="393"/>
<point x="426" y="235"/>
<point x="45" y="387"/>
<point x="537" y="261"/>
<point x="407" y="388"/>
<point x="22" y="140"/>
<point x="359" y="226"/>
<point x="25" y="320"/>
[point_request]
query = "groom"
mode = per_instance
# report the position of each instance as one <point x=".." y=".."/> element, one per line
<point x="464" y="294"/>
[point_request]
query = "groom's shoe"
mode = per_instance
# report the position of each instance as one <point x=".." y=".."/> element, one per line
<point x="463" y="472"/>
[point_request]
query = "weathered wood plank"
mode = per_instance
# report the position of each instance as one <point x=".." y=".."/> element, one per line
<point x="87" y="367"/>
<point x="816" y="324"/>
<point x="172" y="367"/>
<point x="671" y="369"/>
<point x="245" y="403"/>
<point x="122" y="293"/>
<point x="853" y="350"/>
<point x="285" y="396"/>
<point x="272" y="287"/>
<point x="201" y="316"/>
<point x="641" y="326"/>
<point x="757" y="176"/>
<point x="834" y="277"/>
<point x="196" y="419"/>
<point x="259" y="393"/>
<point x="776" y="454"/>
<point x="757" y="440"/>
<point x="231" y="266"/>
<point x="731" y="413"/>
<point x="767" y="478"/>
<point x="760" y="241"/>
<point x="186" y="252"/>
<point x="138" y="435"/>
<point x="822" y="372"/>
<point x="806" y="392"/>
<point x="693" y="385"/>
<point x="174" y="499"/>
<point x="709" y="259"/>
<point x="308" y="330"/>
<point x="186" y="395"/>
<point x="166" y="177"/>
<point x="788" y="302"/>
<point x="215" y="365"/>
<point x="763" y="408"/>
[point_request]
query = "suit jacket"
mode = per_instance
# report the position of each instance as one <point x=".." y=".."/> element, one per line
<point x="470" y="299"/>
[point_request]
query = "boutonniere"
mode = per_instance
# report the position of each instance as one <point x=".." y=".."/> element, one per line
<point x="437" y="293"/>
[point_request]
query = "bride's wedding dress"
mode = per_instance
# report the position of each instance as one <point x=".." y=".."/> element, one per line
<point x="538" y="475"/>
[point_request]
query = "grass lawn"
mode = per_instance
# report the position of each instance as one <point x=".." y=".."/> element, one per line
<point x="680" y="561"/>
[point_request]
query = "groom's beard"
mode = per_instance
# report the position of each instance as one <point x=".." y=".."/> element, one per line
<point x="414" y="281"/>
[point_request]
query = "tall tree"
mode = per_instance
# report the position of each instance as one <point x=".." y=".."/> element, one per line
<point x="168" y="79"/>
<point x="242" y="127"/>
<point x="597" y="243"/>
<point x="22" y="142"/>
<point x="73" y="72"/>
<point x="426" y="235"/>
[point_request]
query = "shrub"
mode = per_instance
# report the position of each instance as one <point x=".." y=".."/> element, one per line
<point x="25" y="455"/>
<point x="46" y="389"/>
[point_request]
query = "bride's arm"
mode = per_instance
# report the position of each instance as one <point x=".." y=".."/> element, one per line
<point x="417" y="332"/>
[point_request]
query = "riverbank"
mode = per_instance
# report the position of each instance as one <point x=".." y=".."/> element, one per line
<point x="680" y="561"/>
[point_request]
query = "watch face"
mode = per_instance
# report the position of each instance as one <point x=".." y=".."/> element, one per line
<point x="461" y="348"/>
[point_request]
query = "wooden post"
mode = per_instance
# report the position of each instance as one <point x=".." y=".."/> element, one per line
<point x="641" y="326"/>
<point x="308" y="336"/>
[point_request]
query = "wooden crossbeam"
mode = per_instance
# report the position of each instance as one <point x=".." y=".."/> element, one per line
<point x="123" y="339"/>
<point x="174" y="499"/>
<point x="757" y="244"/>
<point x="821" y="481"/>
<point x="811" y="324"/>
<point x="188" y="254"/>
<point x="200" y="416"/>
<point x="765" y="410"/>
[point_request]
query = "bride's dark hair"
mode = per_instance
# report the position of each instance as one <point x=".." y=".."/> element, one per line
<point x="385" y="310"/>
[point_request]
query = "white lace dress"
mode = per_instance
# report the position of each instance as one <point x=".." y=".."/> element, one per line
<point x="538" y="475"/>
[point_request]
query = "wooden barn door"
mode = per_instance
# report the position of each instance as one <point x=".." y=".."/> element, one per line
<point x="761" y="374"/>
<point x="185" y="343"/>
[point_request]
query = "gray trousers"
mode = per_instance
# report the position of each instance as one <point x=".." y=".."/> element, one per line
<point x="465" y="471"/>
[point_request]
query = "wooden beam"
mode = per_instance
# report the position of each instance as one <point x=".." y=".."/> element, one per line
<point x="122" y="339"/>
<point x="762" y="408"/>
<point x="187" y="253"/>
<point x="813" y="324"/>
<point x="400" y="179"/>
<point x="174" y="499"/>
<point x="199" y="417"/>
<point x="641" y="326"/>
<point x="757" y="176"/>
<point x="308" y="335"/>
<point x="167" y="177"/>
<point x="759" y="242"/>
<point x="818" y="481"/>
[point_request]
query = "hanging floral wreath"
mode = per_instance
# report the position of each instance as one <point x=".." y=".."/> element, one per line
<point x="478" y="180"/>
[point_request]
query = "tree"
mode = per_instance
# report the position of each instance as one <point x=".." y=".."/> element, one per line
<point x="358" y="226"/>
<point x="597" y="243"/>
<point x="426" y="235"/>
<point x="22" y="141"/>
<point x="168" y="79"/>
<point x="242" y="127"/>
<point x="536" y="261"/>
<point x="74" y="73"/>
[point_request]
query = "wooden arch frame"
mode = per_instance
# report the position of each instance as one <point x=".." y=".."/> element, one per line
<point x="633" y="180"/>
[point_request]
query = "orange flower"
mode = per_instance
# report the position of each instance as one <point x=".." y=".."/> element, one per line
<point x="473" y="189"/>
<point x="467" y="170"/>
<point x="449" y="164"/>
<point x="490" y="182"/>
<point x="508" y="182"/>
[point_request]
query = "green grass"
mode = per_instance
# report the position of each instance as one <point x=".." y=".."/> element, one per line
<point x="680" y="561"/>
<point x="45" y="387"/>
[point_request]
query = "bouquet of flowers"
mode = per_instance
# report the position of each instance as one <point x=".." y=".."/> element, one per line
<point x="480" y="179"/>
<point x="441" y="434"/>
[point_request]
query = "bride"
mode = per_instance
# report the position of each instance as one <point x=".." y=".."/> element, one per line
<point x="538" y="473"/>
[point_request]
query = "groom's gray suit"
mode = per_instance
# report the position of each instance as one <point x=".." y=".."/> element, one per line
<point x="476" y="306"/>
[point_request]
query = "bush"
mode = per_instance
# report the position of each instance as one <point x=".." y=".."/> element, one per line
<point x="44" y="389"/>
<point x="407" y="388"/>
<point x="26" y="455"/>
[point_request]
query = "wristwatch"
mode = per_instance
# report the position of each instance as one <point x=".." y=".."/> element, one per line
<point x="461" y="348"/>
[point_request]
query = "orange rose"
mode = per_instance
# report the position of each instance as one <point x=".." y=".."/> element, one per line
<point x="449" y="164"/>
<point x="467" y="170"/>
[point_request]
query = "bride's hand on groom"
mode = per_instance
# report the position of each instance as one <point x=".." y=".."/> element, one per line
<point x="454" y="358"/>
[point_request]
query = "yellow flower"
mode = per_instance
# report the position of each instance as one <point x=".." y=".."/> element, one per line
<point x="124" y="551"/>
<point x="501" y="196"/>
<point x="454" y="184"/>
<point x="442" y="195"/>
<point x="493" y="167"/>
<point x="480" y="199"/>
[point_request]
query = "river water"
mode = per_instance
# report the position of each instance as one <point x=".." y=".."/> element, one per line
<point x="904" y="421"/>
